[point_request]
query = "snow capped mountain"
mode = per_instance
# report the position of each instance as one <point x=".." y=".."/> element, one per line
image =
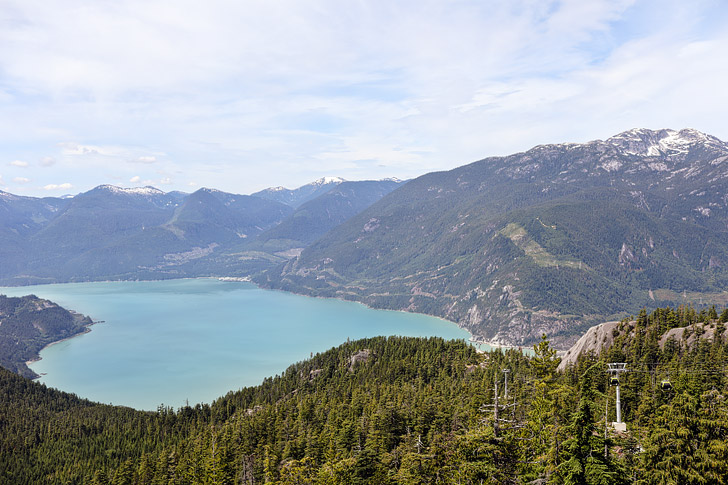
<point x="637" y="156"/>
<point x="666" y="142"/>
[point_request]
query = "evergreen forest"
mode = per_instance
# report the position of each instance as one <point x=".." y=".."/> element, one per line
<point x="408" y="411"/>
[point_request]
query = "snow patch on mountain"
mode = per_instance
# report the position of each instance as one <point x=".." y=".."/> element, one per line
<point x="704" y="211"/>
<point x="7" y="196"/>
<point x="611" y="165"/>
<point x="327" y="180"/>
<point x="658" y="166"/>
<point x="147" y="191"/>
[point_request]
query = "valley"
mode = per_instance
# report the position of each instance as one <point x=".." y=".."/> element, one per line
<point x="112" y="233"/>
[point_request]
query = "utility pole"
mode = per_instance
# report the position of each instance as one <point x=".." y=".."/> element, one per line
<point x="509" y="424"/>
<point x="495" y="408"/>
<point x="505" y="391"/>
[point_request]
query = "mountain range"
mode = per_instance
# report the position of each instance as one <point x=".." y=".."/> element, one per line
<point x="551" y="240"/>
<point x="301" y="195"/>
<point x="144" y="233"/>
<point x="547" y="241"/>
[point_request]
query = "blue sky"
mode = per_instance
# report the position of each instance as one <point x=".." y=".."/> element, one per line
<point x="243" y="95"/>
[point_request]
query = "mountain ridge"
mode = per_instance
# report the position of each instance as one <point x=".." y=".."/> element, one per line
<point x="508" y="247"/>
<point x="299" y="196"/>
<point x="112" y="232"/>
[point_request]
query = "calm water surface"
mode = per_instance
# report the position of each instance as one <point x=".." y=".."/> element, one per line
<point x="169" y="342"/>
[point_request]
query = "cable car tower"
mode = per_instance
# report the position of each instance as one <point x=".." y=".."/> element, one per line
<point x="614" y="370"/>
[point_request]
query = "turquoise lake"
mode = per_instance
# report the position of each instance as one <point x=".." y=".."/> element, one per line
<point x="178" y="341"/>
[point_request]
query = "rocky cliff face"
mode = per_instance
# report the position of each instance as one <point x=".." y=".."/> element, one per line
<point x="595" y="339"/>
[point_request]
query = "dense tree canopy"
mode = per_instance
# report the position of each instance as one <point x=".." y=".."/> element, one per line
<point x="406" y="411"/>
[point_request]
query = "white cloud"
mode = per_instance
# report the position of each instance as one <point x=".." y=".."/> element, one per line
<point x="64" y="186"/>
<point x="1" y="180"/>
<point x="165" y="181"/>
<point x="70" y="148"/>
<point x="135" y="179"/>
<point x="280" y="93"/>
<point x="47" y="161"/>
<point x="19" y="163"/>
<point x="21" y="180"/>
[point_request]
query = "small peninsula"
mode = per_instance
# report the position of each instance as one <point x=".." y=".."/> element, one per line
<point x="29" y="323"/>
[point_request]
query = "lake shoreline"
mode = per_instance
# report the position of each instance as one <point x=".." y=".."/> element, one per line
<point x="473" y="339"/>
<point x="477" y="341"/>
<point x="38" y="358"/>
<point x="197" y="339"/>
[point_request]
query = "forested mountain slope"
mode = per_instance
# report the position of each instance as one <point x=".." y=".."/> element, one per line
<point x="551" y="240"/>
<point x="316" y="217"/>
<point x="19" y="218"/>
<point x="404" y="410"/>
<point x="28" y="324"/>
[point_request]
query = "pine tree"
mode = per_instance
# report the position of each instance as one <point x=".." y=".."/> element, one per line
<point x="687" y="443"/>
<point x="584" y="460"/>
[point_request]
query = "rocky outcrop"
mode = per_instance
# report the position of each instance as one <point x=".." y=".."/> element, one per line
<point x="602" y="336"/>
<point x="361" y="356"/>
<point x="593" y="341"/>
<point x="688" y="336"/>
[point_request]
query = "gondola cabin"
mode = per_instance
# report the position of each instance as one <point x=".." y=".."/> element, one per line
<point x="614" y="381"/>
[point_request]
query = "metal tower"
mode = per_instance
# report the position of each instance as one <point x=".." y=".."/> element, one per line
<point x="614" y="370"/>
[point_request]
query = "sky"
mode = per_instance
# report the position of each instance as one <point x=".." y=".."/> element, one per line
<point x="241" y="95"/>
